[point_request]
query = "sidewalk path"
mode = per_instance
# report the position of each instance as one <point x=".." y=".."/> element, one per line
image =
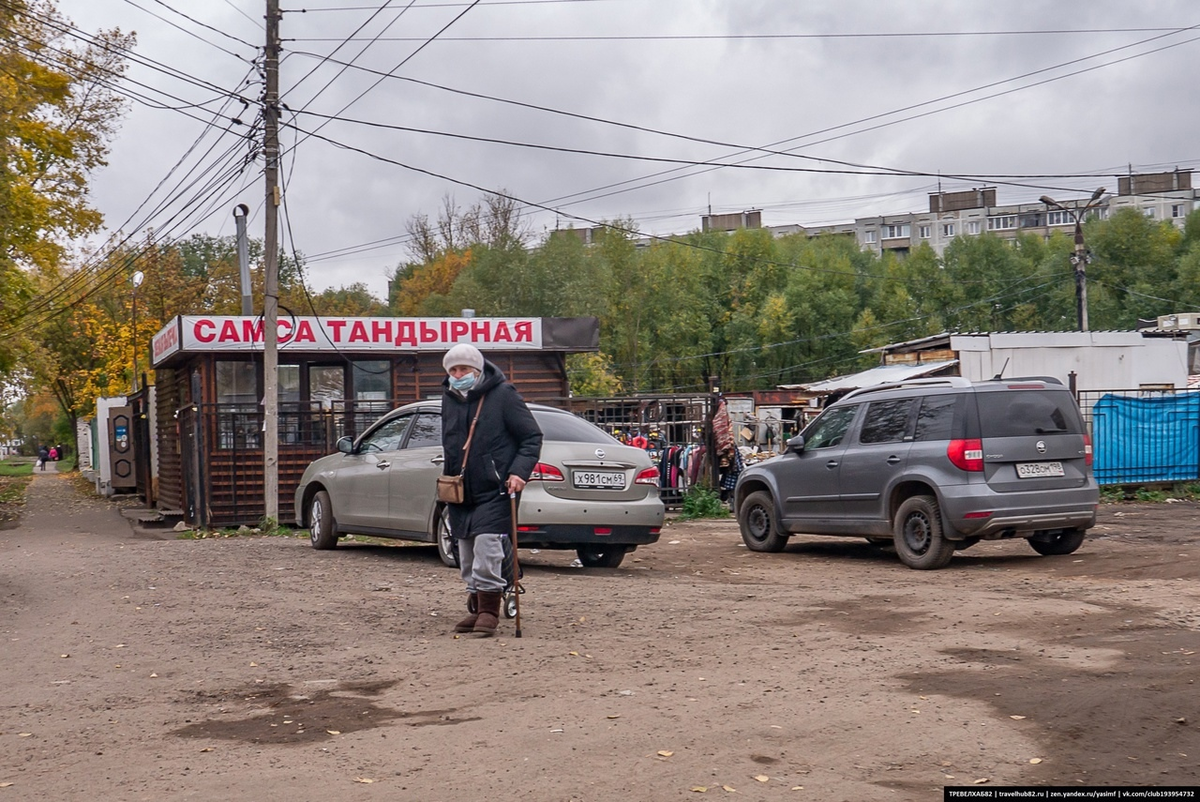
<point x="56" y="508"/>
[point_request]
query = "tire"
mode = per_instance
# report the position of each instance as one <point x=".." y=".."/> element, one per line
<point x="1064" y="542"/>
<point x="322" y="530"/>
<point x="447" y="550"/>
<point x="756" y="519"/>
<point x="917" y="533"/>
<point x="600" y="556"/>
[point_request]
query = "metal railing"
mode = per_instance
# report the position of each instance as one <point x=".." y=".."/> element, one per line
<point x="1143" y="436"/>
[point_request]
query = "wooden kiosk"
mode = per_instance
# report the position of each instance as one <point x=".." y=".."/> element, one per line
<point x="336" y="376"/>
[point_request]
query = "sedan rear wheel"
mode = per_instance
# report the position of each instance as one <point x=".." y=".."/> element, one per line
<point x="447" y="549"/>
<point x="600" y="556"/>
<point x="1064" y="542"/>
<point x="322" y="531"/>
<point x="917" y="533"/>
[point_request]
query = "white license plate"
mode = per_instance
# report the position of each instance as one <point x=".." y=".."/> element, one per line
<point x="603" y="480"/>
<point x="1038" y="470"/>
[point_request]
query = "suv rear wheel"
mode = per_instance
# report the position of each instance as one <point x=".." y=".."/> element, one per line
<point x="756" y="519"/>
<point x="1064" y="542"/>
<point x="917" y="533"/>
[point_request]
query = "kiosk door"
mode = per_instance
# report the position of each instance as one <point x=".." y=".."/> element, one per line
<point x="121" y="455"/>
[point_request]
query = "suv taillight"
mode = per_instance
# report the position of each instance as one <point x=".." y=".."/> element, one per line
<point x="647" y="476"/>
<point x="966" y="455"/>
<point x="545" y="473"/>
<point x="1087" y="450"/>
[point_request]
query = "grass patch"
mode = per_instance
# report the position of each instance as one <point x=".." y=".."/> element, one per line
<point x="1116" y="494"/>
<point x="242" y="531"/>
<point x="16" y="466"/>
<point x="700" y="502"/>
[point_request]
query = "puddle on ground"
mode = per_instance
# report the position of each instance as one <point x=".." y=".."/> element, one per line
<point x="282" y="714"/>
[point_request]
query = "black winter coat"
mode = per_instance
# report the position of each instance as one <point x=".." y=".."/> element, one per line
<point x="507" y="441"/>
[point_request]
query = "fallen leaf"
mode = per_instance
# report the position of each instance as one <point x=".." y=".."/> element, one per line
<point x="207" y="749"/>
<point x="729" y="788"/>
<point x="334" y="732"/>
<point x="665" y="753"/>
<point x="762" y="778"/>
<point x="573" y="654"/>
<point x="1035" y="760"/>
<point x="797" y="787"/>
<point x="1017" y="718"/>
<point x="64" y="655"/>
<point x="253" y="665"/>
<point x="363" y="780"/>
<point x="25" y="734"/>
<point x="5" y="785"/>
<point x="615" y="715"/>
<point x="699" y="789"/>
<point x="981" y="780"/>
<point x="153" y="675"/>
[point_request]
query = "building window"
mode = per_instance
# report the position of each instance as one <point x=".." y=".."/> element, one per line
<point x="1149" y="212"/>
<point x="900" y="231"/>
<point x="923" y="232"/>
<point x="1177" y="210"/>
<point x="869" y="236"/>
<point x="1002" y="222"/>
<point x="972" y="226"/>
<point x="239" y="424"/>
<point x="947" y="229"/>
<point x="1057" y="217"/>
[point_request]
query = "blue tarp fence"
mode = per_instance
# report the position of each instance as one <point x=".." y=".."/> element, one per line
<point x="1141" y="438"/>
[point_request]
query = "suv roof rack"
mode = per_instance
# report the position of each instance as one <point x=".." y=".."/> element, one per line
<point x="1046" y="379"/>
<point x="935" y="381"/>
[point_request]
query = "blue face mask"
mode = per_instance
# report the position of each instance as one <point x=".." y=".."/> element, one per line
<point x="463" y="383"/>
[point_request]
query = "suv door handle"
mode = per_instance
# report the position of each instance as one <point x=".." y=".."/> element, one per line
<point x="383" y="465"/>
<point x="892" y="460"/>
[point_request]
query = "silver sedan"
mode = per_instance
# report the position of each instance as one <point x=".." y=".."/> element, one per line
<point x="589" y="492"/>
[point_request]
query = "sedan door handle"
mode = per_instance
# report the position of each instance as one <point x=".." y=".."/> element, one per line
<point x="438" y="460"/>
<point x="383" y="465"/>
<point x="892" y="460"/>
<point x="831" y="464"/>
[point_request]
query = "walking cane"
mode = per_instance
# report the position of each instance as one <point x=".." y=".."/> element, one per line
<point x="512" y="499"/>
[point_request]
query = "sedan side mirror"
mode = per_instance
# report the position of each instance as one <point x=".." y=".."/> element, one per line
<point x="796" y="444"/>
<point x="345" y="445"/>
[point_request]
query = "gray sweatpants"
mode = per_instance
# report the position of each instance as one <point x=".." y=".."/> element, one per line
<point x="481" y="561"/>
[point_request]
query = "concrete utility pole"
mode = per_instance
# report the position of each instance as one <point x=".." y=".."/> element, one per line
<point x="1079" y="258"/>
<point x="271" y="270"/>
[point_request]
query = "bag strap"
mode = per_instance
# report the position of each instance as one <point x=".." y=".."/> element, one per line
<point x="470" y="434"/>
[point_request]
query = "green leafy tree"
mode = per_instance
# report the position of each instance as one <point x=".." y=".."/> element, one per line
<point x="57" y="116"/>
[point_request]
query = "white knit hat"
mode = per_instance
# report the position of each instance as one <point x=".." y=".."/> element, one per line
<point x="463" y="354"/>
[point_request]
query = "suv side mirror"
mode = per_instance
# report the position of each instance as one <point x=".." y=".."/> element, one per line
<point x="796" y="444"/>
<point x="345" y="445"/>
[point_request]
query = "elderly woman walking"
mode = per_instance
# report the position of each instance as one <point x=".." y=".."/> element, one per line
<point x="486" y="423"/>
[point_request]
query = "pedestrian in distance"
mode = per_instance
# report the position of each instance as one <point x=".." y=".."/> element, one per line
<point x="43" y="455"/>
<point x="480" y="405"/>
<point x="53" y="453"/>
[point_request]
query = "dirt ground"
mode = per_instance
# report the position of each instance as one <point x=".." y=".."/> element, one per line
<point x="138" y="666"/>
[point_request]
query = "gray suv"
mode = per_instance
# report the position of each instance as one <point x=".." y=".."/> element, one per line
<point x="931" y="466"/>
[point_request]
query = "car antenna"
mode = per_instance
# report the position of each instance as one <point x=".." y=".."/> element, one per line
<point x="1001" y="373"/>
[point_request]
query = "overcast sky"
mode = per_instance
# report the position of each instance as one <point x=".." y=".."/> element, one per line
<point x="1071" y="93"/>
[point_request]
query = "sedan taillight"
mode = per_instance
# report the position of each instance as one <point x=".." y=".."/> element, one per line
<point x="647" y="476"/>
<point x="545" y="473"/>
<point x="966" y="455"/>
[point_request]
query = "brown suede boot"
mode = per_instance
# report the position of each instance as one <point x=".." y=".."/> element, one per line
<point x="489" y="612"/>
<point x="468" y="623"/>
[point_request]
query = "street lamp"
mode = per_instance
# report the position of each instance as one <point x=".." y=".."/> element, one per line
<point x="1079" y="258"/>
<point x="137" y="279"/>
